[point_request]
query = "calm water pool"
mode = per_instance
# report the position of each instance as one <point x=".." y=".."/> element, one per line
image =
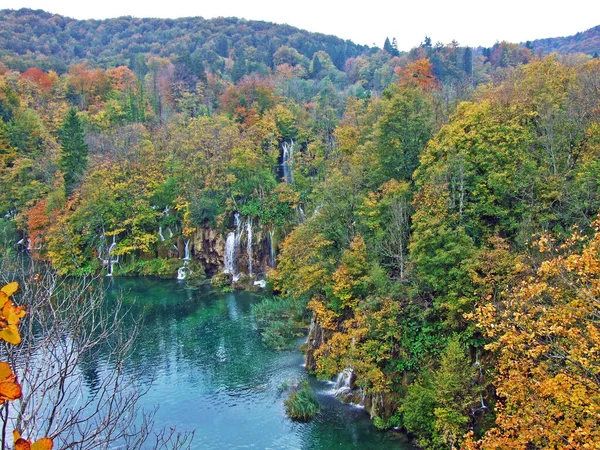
<point x="213" y="374"/>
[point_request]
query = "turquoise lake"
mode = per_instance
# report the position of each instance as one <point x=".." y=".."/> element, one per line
<point x="212" y="374"/>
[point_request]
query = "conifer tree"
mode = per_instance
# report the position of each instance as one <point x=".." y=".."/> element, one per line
<point x="73" y="150"/>
<point x="387" y="46"/>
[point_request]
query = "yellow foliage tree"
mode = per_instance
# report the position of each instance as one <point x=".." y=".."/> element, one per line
<point x="546" y="336"/>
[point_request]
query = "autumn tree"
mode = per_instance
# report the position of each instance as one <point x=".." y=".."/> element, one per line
<point x="545" y="335"/>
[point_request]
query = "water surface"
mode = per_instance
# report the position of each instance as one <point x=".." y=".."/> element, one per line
<point x="212" y="373"/>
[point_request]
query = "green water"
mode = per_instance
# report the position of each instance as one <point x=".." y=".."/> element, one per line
<point x="213" y="374"/>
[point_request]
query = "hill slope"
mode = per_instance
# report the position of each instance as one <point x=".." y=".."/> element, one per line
<point x="55" y="41"/>
<point x="584" y="42"/>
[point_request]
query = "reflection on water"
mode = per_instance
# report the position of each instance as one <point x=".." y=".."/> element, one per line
<point x="213" y="374"/>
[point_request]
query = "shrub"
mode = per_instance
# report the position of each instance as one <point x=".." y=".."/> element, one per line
<point x="221" y="280"/>
<point x="302" y="404"/>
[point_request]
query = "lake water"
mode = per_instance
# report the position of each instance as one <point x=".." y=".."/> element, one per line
<point x="213" y="374"/>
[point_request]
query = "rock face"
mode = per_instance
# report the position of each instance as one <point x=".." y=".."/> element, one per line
<point x="209" y="249"/>
<point x="252" y="252"/>
<point x="317" y="336"/>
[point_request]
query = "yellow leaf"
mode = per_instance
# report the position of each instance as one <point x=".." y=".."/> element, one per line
<point x="3" y="298"/>
<point x="11" y="335"/>
<point x="43" y="444"/>
<point x="12" y="313"/>
<point x="10" y="288"/>
<point x="5" y="371"/>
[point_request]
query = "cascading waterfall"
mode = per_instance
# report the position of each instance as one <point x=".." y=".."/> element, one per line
<point x="230" y="254"/>
<point x="287" y="161"/>
<point x="249" y="244"/>
<point x="343" y="383"/>
<point x="182" y="271"/>
<point x="160" y="234"/>
<point x="186" y="251"/>
<point x="108" y="260"/>
<point x="232" y="245"/>
<point x="345" y="389"/>
<point x="111" y="261"/>
<point x="272" y="246"/>
<point x="302" y="214"/>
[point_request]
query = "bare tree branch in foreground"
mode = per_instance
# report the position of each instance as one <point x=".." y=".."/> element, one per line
<point x="70" y="364"/>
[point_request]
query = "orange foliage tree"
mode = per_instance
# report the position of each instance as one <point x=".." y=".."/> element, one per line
<point x="39" y="77"/>
<point x="418" y="73"/>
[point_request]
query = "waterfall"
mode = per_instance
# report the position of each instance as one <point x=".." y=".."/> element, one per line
<point x="287" y="161"/>
<point x="230" y="254"/>
<point x="182" y="271"/>
<point x="344" y="382"/>
<point x="160" y="234"/>
<point x="261" y="284"/>
<point x="249" y="244"/>
<point x="108" y="259"/>
<point x="170" y="232"/>
<point x="272" y="246"/>
<point x="111" y="261"/>
<point x="232" y="244"/>
<point x="186" y="251"/>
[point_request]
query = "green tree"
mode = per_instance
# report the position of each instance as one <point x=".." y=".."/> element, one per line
<point x="73" y="150"/>
<point x="387" y="46"/>
<point x="403" y="130"/>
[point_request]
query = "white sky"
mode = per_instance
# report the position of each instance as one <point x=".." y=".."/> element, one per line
<point x="470" y="22"/>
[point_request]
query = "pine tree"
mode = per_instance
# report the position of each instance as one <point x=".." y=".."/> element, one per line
<point x="317" y="66"/>
<point x="468" y="61"/>
<point x="387" y="46"/>
<point x="73" y="150"/>
<point x="395" y="51"/>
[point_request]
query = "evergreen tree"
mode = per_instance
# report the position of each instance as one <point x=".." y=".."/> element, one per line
<point x="317" y="66"/>
<point x="395" y="51"/>
<point x="239" y="69"/>
<point x="73" y="150"/>
<point x="387" y="46"/>
<point x="468" y="61"/>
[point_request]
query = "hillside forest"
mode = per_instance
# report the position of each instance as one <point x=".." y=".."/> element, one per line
<point x="431" y="215"/>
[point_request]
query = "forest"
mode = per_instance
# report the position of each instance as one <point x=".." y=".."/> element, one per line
<point x="431" y="216"/>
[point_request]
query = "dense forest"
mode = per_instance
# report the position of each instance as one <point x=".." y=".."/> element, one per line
<point x="584" y="42"/>
<point x="433" y="214"/>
